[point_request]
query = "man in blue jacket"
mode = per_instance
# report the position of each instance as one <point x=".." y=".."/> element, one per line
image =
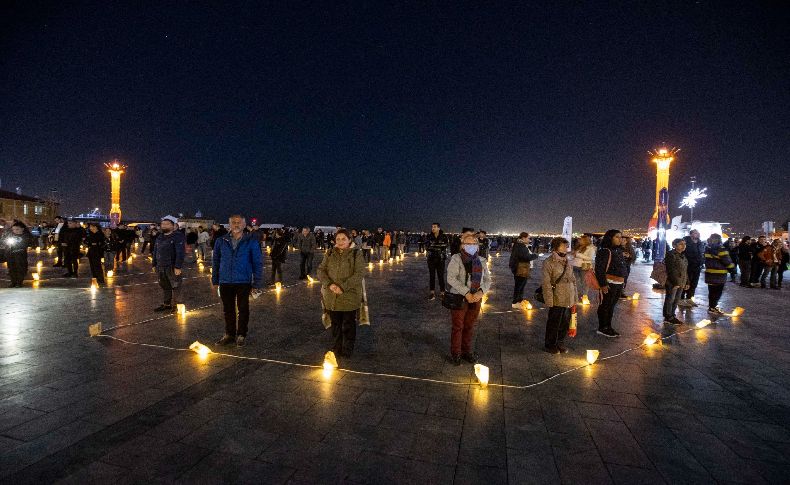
<point x="168" y="257"/>
<point x="237" y="268"/>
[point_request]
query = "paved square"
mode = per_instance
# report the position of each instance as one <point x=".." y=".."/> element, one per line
<point x="709" y="405"/>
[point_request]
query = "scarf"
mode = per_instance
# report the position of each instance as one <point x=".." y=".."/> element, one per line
<point x="474" y="267"/>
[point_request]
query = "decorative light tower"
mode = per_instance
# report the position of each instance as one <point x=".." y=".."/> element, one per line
<point x="662" y="157"/>
<point x="116" y="169"/>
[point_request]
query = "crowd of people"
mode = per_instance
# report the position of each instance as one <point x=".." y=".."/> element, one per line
<point x="584" y="269"/>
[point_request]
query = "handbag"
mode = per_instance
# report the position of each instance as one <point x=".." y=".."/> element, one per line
<point x="364" y="315"/>
<point x="659" y="273"/>
<point x="589" y="276"/>
<point x="539" y="291"/>
<point x="454" y="301"/>
<point x="523" y="269"/>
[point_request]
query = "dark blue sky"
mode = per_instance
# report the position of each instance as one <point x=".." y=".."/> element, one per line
<point x="503" y="118"/>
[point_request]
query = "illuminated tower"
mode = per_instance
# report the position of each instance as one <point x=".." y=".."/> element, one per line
<point x="662" y="157"/>
<point x="116" y="169"/>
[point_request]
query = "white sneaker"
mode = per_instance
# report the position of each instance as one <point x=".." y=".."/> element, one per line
<point x="517" y="306"/>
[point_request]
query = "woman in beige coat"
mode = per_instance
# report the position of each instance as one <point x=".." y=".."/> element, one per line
<point x="341" y="273"/>
<point x="559" y="292"/>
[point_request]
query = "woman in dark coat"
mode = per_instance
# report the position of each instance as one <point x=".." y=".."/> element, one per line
<point x="278" y="255"/>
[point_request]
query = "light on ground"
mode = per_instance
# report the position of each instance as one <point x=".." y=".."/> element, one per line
<point x="200" y="349"/>
<point x="592" y="356"/>
<point x="481" y="372"/>
<point x="652" y="338"/>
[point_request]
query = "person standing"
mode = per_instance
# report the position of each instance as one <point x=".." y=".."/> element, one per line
<point x="629" y="256"/>
<point x="378" y="239"/>
<point x="771" y="257"/>
<point x="520" y="265"/>
<point x="695" y="255"/>
<point x="237" y="268"/>
<point x="60" y="224"/>
<point x="97" y="245"/>
<point x="306" y="244"/>
<point x="784" y="260"/>
<point x="559" y="292"/>
<point x="467" y="276"/>
<point x="14" y="246"/>
<point x="279" y="254"/>
<point x="202" y="242"/>
<point x="341" y="273"/>
<point x="757" y="262"/>
<point x="367" y="245"/>
<point x="745" y="260"/>
<point x="583" y="258"/>
<point x="110" y="248"/>
<point x="70" y="240"/>
<point x="677" y="280"/>
<point x="168" y="257"/>
<point x="484" y="243"/>
<point x="400" y="240"/>
<point x="437" y="243"/>
<point x="610" y="272"/>
<point x="717" y="265"/>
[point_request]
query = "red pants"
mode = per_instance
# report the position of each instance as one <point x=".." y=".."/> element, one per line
<point x="463" y="328"/>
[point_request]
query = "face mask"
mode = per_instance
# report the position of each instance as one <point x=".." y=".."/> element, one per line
<point x="471" y="249"/>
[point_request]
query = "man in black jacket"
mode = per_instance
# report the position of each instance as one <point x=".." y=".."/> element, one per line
<point x="70" y="242"/>
<point x="437" y="253"/>
<point x="520" y="261"/>
<point x="745" y="260"/>
<point x="757" y="264"/>
<point x="695" y="255"/>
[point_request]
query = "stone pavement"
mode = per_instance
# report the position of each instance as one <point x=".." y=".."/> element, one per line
<point x="709" y="405"/>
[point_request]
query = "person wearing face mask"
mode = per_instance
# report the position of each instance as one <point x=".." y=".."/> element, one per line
<point x="468" y="281"/>
<point x="610" y="272"/>
<point x="559" y="291"/>
<point x="341" y="272"/>
<point x="168" y="257"/>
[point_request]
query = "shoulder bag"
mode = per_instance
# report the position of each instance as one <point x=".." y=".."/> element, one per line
<point x="539" y="291"/>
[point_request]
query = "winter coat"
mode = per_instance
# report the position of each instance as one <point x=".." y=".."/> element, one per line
<point x="695" y="252"/>
<point x="677" y="269"/>
<point x="96" y="243"/>
<point x="243" y="265"/>
<point x="717" y="265"/>
<point x="587" y="256"/>
<point x="169" y="250"/>
<point x="279" y="250"/>
<point x="305" y="244"/>
<point x="520" y="254"/>
<point x="767" y="256"/>
<point x="564" y="293"/>
<point x="617" y="271"/>
<point x="70" y="239"/>
<point x="437" y="246"/>
<point x="457" y="281"/>
<point x="344" y="269"/>
<point x="387" y="240"/>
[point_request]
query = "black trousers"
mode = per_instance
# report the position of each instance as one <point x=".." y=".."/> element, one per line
<point x="344" y="331"/>
<point x="305" y="264"/>
<point x="557" y="325"/>
<point x="366" y="255"/>
<point x="693" y="274"/>
<point x="714" y="295"/>
<point x="746" y="271"/>
<point x="518" y="288"/>
<point x="757" y="271"/>
<point x="96" y="268"/>
<point x="72" y="263"/>
<point x="235" y="295"/>
<point x="436" y="269"/>
<point x="171" y="286"/>
<point x="277" y="271"/>
<point x="606" y="308"/>
<point x="60" y="254"/>
<point x="17" y="267"/>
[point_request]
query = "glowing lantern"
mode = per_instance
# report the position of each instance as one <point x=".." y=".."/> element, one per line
<point x="635" y="296"/>
<point x="94" y="329"/>
<point x="35" y="277"/>
<point x="526" y="304"/>
<point x="703" y="323"/>
<point x="592" y="356"/>
<point x="278" y="287"/>
<point x="39" y="265"/>
<point x="310" y="280"/>
<point x="652" y="338"/>
<point x="200" y="349"/>
<point x="370" y="265"/>
<point x="94" y="284"/>
<point x="481" y="372"/>
<point x="38" y="249"/>
<point x="129" y="260"/>
<point x="737" y="311"/>
<point x="416" y="253"/>
<point x="390" y="260"/>
<point x="181" y="309"/>
<point x="330" y="361"/>
<point x="50" y="250"/>
<point x="585" y="300"/>
<point x="381" y="262"/>
<point x="110" y="273"/>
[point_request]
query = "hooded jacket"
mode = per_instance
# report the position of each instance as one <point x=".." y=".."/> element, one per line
<point x="717" y="264"/>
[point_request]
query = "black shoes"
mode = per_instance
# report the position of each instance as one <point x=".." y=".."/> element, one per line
<point x="675" y="321"/>
<point x="455" y="360"/>
<point x="562" y="349"/>
<point x="551" y="349"/>
<point x="227" y="340"/>
<point x="471" y="357"/>
<point x="239" y="341"/>
<point x="608" y="332"/>
<point x="163" y="308"/>
<point x="432" y="296"/>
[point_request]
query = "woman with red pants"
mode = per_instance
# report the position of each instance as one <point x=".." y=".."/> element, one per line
<point x="468" y="281"/>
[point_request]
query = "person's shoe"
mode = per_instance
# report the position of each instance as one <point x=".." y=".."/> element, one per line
<point x="240" y="341"/>
<point x="715" y="311"/>
<point x="163" y="308"/>
<point x="624" y="296"/>
<point x="455" y="360"/>
<point x="562" y="349"/>
<point x="517" y="306"/>
<point x="667" y="321"/>
<point x="431" y="296"/>
<point x="676" y="321"/>
<point x="226" y="340"/>
<point x="551" y="349"/>
<point x="608" y="332"/>
<point x="12" y="285"/>
<point x="470" y="357"/>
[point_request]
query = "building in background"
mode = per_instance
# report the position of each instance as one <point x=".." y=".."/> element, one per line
<point x="28" y="209"/>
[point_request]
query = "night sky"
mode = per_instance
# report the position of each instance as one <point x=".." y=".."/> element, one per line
<point x="501" y="118"/>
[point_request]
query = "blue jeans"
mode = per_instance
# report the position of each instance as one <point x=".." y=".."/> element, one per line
<point x="671" y="301"/>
